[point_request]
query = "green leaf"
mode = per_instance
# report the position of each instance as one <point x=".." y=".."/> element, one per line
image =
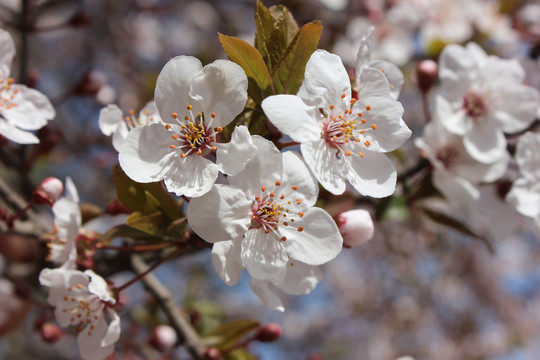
<point x="288" y="73"/>
<point x="227" y="335"/>
<point x="283" y="33"/>
<point x="151" y="224"/>
<point x="264" y="24"/>
<point x="145" y="198"/>
<point x="239" y="354"/>
<point x="126" y="231"/>
<point x="259" y="81"/>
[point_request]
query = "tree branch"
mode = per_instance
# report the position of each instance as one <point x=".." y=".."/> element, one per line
<point x="187" y="336"/>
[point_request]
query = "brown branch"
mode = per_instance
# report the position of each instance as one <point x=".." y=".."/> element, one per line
<point x="187" y="336"/>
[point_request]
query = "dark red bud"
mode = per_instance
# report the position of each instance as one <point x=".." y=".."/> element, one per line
<point x="268" y="333"/>
<point x="426" y="74"/>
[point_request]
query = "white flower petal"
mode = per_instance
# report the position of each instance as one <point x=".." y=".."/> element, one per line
<point x="318" y="242"/>
<point x="372" y="82"/>
<point x="328" y="169"/>
<point x="268" y="296"/>
<point x="223" y="213"/>
<point x="110" y="117"/>
<point x="372" y="175"/>
<point x="173" y="84"/>
<point x="227" y="260"/>
<point x="515" y="107"/>
<point x="146" y="154"/>
<point x="393" y="75"/>
<point x="232" y="157"/>
<point x="113" y="330"/>
<point x="391" y="132"/>
<point x="7" y="49"/>
<point x="296" y="173"/>
<point x="264" y="256"/>
<point x="90" y="342"/>
<point x="325" y="80"/>
<point x="458" y="191"/>
<point x="301" y="278"/>
<point x="262" y="170"/>
<point x="33" y="109"/>
<point x="221" y="88"/>
<point x="293" y="117"/>
<point x="14" y="134"/>
<point x="485" y="142"/>
<point x="98" y="286"/>
<point x="192" y="176"/>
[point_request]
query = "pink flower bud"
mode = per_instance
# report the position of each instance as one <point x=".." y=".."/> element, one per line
<point x="163" y="338"/>
<point x="356" y="227"/>
<point x="48" y="191"/>
<point x="212" y="354"/>
<point x="50" y="332"/>
<point x="268" y="333"/>
<point x="426" y="74"/>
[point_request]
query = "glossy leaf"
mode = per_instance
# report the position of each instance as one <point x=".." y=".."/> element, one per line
<point x="151" y="224"/>
<point x="264" y="24"/>
<point x="288" y="73"/>
<point x="284" y="31"/>
<point x="145" y="198"/>
<point x="229" y="334"/>
<point x="259" y="80"/>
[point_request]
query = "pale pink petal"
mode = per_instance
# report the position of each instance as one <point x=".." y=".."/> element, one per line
<point x="452" y="117"/>
<point x="515" y="107"/>
<point x="90" y="342"/>
<point x="319" y="240"/>
<point x="223" y="213"/>
<point x="33" y="109"/>
<point x="113" y="331"/>
<point x="457" y="190"/>
<point x="220" y="88"/>
<point x="98" y="286"/>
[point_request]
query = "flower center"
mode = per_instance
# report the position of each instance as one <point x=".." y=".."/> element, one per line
<point x="7" y="94"/>
<point x="196" y="135"/>
<point x="345" y="131"/>
<point x="448" y="155"/>
<point x="132" y="121"/>
<point x="269" y="211"/>
<point x="474" y="105"/>
<point x="83" y="308"/>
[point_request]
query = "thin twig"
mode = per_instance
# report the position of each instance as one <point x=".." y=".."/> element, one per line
<point x="187" y="336"/>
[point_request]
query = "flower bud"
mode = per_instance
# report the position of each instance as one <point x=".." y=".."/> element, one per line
<point x="163" y="338"/>
<point x="212" y="354"/>
<point x="50" y="332"/>
<point x="268" y="333"/>
<point x="355" y="226"/>
<point x="426" y="74"/>
<point x="48" y="191"/>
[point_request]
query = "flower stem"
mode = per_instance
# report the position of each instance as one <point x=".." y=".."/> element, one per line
<point x="150" y="268"/>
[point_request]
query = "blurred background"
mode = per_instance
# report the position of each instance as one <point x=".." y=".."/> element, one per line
<point x="417" y="288"/>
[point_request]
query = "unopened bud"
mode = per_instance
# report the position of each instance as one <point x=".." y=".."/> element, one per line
<point x="50" y="332"/>
<point x="48" y="191"/>
<point x="426" y="74"/>
<point x="163" y="338"/>
<point x="212" y="354"/>
<point x="268" y="333"/>
<point x="355" y="226"/>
